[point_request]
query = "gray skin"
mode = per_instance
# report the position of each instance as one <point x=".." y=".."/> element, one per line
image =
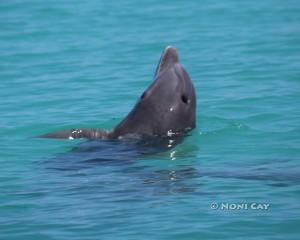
<point x="166" y="107"/>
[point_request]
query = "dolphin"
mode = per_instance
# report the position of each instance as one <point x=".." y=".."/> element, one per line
<point x="167" y="107"/>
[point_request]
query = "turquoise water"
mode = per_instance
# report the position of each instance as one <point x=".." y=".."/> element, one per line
<point x="67" y="64"/>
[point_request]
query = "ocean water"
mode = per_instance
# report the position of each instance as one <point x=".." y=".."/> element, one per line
<point x="66" y="64"/>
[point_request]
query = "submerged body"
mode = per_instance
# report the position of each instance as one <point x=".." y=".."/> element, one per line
<point x="165" y="108"/>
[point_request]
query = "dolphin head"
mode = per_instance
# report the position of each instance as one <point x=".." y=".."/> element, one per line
<point x="167" y="105"/>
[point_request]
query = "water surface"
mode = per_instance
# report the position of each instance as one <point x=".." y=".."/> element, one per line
<point x="71" y="64"/>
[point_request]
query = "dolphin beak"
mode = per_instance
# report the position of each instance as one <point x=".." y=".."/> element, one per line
<point x="168" y="58"/>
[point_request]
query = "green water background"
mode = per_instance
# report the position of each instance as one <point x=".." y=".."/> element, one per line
<point x="70" y="64"/>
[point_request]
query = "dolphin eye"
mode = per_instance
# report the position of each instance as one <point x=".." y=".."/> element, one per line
<point x="143" y="95"/>
<point x="184" y="99"/>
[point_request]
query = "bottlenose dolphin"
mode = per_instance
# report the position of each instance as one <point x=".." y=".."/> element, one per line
<point x="167" y="107"/>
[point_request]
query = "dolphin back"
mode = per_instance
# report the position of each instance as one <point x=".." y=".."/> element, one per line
<point x="90" y="133"/>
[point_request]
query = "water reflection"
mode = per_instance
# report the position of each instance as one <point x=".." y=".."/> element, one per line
<point x="138" y="165"/>
<point x="146" y="168"/>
